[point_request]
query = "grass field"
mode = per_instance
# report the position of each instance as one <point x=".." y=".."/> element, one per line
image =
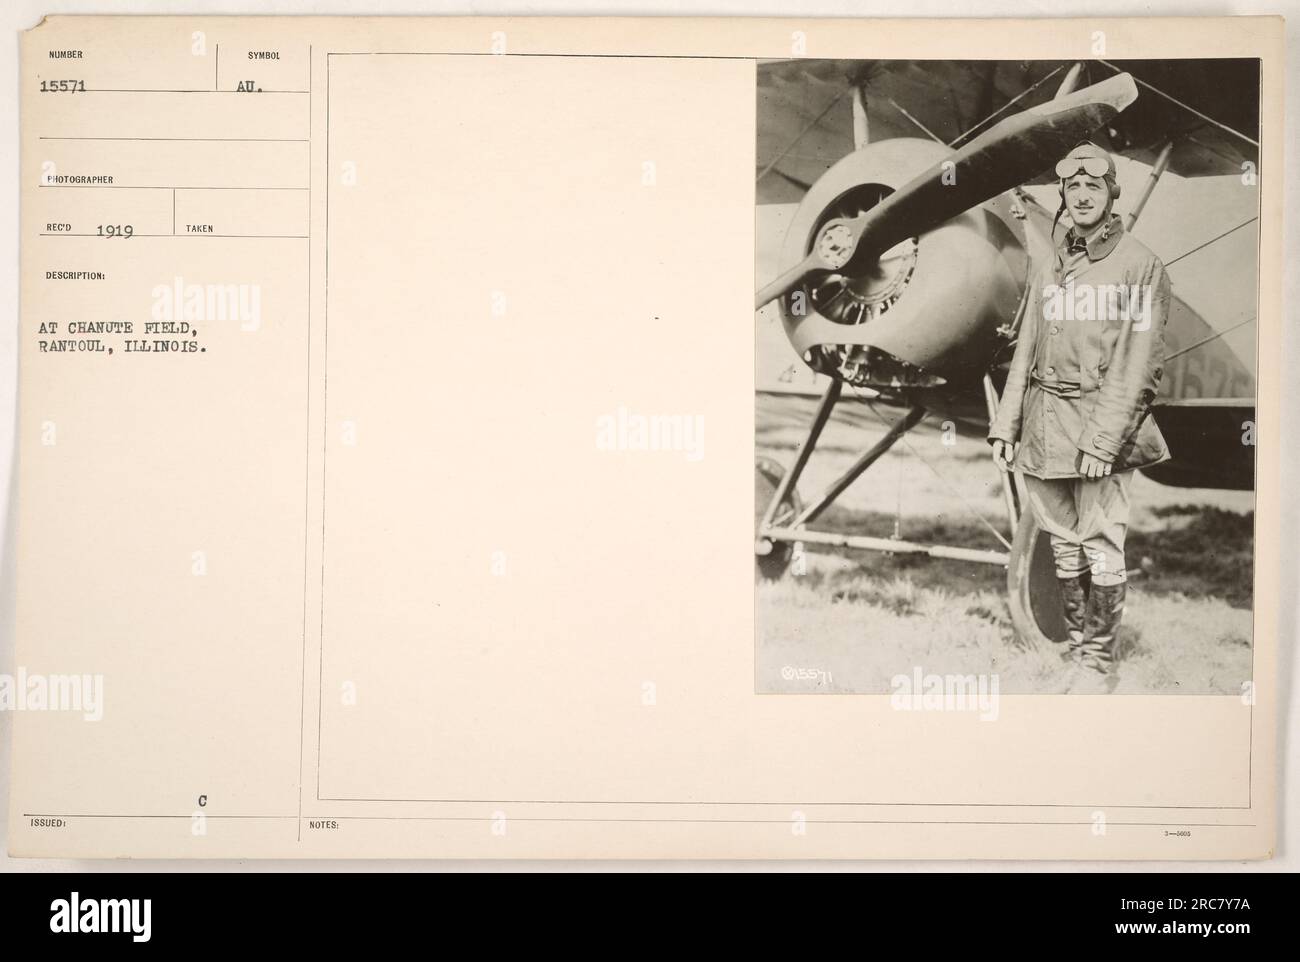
<point x="855" y="619"/>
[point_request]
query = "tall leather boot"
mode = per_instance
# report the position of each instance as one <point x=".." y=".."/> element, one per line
<point x="1100" y="628"/>
<point x="1074" y="604"/>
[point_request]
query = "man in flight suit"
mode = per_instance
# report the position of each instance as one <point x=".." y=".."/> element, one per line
<point x="1073" y="417"/>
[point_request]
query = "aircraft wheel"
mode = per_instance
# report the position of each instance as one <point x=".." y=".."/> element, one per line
<point x="1033" y="594"/>
<point x="767" y="475"/>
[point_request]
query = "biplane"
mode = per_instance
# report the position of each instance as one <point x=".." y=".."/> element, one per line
<point x="901" y="204"/>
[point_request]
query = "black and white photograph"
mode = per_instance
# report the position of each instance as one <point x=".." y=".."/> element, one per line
<point x="1006" y="358"/>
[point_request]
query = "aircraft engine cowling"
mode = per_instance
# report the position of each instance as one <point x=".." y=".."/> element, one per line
<point x="925" y="312"/>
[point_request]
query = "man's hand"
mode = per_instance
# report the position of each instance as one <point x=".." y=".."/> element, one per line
<point x="1093" y="467"/>
<point x="1003" y="455"/>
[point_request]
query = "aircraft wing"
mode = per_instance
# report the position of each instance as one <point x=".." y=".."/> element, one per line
<point x="806" y="120"/>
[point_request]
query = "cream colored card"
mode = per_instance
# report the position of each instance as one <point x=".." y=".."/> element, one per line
<point x="387" y="420"/>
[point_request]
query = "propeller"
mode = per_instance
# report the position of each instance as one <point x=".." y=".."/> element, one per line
<point x="1006" y="155"/>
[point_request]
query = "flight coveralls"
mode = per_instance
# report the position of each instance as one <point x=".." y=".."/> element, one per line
<point x="1087" y="365"/>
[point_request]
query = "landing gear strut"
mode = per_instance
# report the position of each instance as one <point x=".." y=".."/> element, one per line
<point x="779" y="526"/>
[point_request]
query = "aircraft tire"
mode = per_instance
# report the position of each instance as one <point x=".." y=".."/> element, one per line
<point x="1033" y="594"/>
<point x="767" y="475"/>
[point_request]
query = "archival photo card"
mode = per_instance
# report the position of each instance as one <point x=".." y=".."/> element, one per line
<point x="390" y="390"/>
